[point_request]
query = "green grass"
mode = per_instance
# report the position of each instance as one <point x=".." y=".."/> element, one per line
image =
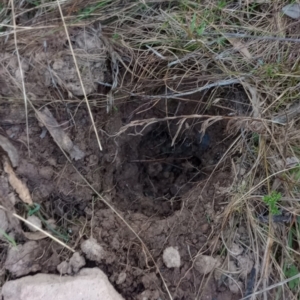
<point x="59" y="232"/>
<point x="8" y="238"/>
<point x="87" y="11"/>
<point x="272" y="202"/>
<point x="291" y="269"/>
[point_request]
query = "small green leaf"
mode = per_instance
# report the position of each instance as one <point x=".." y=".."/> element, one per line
<point x="116" y="36"/>
<point x="193" y="23"/>
<point x="272" y="201"/>
<point x="8" y="238"/>
<point x="201" y="28"/>
<point x="290" y="272"/>
<point x="221" y="4"/>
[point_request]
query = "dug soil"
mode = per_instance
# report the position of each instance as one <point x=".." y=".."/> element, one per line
<point x="166" y="178"/>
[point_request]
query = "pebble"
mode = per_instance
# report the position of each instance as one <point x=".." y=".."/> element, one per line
<point x="171" y="257"/>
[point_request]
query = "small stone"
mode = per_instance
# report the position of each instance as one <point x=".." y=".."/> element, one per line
<point x="204" y="264"/>
<point x="93" y="250"/>
<point x="35" y="221"/>
<point x="63" y="268"/>
<point x="171" y="257"/>
<point x="121" y="278"/>
<point x="77" y="262"/>
<point x="242" y="171"/>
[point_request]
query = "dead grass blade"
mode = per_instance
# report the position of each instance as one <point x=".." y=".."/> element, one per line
<point x="17" y="184"/>
<point x="58" y="134"/>
<point x="11" y="151"/>
<point x="281" y="283"/>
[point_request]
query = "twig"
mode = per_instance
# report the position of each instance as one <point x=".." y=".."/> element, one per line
<point x="200" y="89"/>
<point x="249" y="36"/>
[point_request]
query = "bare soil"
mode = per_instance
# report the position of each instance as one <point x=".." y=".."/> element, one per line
<point x="164" y="191"/>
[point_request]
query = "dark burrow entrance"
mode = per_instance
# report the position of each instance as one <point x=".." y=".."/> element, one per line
<point x="155" y="174"/>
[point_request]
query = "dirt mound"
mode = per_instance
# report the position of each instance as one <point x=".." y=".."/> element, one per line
<point x="160" y="184"/>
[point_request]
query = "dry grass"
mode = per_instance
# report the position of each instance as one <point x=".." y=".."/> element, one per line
<point x="172" y="49"/>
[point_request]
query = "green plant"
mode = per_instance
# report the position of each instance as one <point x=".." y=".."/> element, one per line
<point x="290" y="269"/>
<point x="88" y="10"/>
<point x="221" y="4"/>
<point x="8" y="238"/>
<point x="290" y="272"/>
<point x="272" y="202"/>
<point x="116" y="36"/>
<point x="35" y="209"/>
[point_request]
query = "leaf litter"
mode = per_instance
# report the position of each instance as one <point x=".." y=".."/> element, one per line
<point x="17" y="184"/>
<point x="58" y="134"/>
<point x="10" y="149"/>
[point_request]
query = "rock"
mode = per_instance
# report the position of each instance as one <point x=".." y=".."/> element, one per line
<point x="92" y="250"/>
<point x="171" y="257"/>
<point x="22" y="260"/>
<point x="148" y="295"/>
<point x="91" y="284"/>
<point x="64" y="268"/>
<point x="204" y="264"/>
<point x="35" y="221"/>
<point x="73" y="266"/>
